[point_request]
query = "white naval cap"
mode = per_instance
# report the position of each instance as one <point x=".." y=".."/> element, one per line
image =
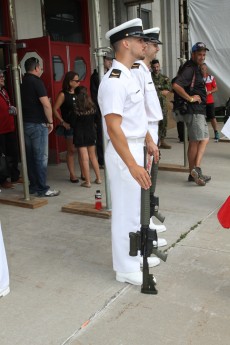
<point x="132" y="28"/>
<point x="153" y="34"/>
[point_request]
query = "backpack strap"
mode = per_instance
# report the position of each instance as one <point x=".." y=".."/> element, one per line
<point x="193" y="81"/>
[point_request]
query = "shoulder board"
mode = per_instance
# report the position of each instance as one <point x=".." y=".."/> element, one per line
<point x="135" y="65"/>
<point x="116" y="73"/>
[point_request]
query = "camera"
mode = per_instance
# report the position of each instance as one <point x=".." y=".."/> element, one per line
<point x="12" y="110"/>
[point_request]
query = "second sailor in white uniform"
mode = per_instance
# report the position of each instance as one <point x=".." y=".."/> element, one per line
<point x="125" y="123"/>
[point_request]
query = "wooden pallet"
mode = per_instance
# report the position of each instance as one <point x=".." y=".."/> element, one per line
<point x="86" y="210"/>
<point x="173" y="167"/>
<point x="16" y="200"/>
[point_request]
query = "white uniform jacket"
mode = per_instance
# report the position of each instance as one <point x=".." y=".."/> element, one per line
<point x="152" y="104"/>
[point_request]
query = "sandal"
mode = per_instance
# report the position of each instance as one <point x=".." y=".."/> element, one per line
<point x="76" y="180"/>
<point x="86" y="185"/>
<point x="98" y="181"/>
<point x="82" y="178"/>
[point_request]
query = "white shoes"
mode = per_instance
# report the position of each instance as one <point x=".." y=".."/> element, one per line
<point x="157" y="227"/>
<point x="134" y="278"/>
<point x="5" y="292"/>
<point x="152" y="261"/>
<point x="161" y="242"/>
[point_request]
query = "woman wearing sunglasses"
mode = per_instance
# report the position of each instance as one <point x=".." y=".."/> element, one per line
<point x="64" y="104"/>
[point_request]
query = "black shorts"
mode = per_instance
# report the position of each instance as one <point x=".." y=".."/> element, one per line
<point x="210" y="111"/>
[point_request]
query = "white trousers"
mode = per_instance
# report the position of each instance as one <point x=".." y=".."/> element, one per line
<point x="153" y="130"/>
<point x="126" y="201"/>
<point x="4" y="273"/>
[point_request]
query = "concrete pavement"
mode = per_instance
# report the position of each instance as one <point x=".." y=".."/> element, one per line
<point x="63" y="289"/>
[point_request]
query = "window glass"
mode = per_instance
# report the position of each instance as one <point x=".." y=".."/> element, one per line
<point x="80" y="67"/>
<point x="64" y="20"/>
<point x="2" y="33"/>
<point x="145" y="16"/>
<point x="2" y="64"/>
<point x="58" y="68"/>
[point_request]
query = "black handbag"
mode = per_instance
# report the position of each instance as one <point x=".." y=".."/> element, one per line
<point x="179" y="102"/>
<point x="3" y="166"/>
<point x="60" y="130"/>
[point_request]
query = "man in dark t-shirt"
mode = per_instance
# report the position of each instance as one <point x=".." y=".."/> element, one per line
<point x="38" y="124"/>
<point x="189" y="85"/>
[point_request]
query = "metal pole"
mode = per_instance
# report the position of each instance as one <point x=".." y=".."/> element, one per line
<point x="113" y="13"/>
<point x="99" y="54"/>
<point x="182" y="59"/>
<point x="43" y="17"/>
<point x="16" y="80"/>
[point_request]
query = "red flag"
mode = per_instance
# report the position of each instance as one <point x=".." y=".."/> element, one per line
<point x="223" y="214"/>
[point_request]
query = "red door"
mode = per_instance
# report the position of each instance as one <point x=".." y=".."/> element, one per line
<point x="57" y="58"/>
<point x="69" y="57"/>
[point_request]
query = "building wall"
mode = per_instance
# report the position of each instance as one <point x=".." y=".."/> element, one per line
<point x="170" y="36"/>
<point x="28" y="19"/>
<point x="122" y="14"/>
<point x="165" y="14"/>
<point x="155" y="20"/>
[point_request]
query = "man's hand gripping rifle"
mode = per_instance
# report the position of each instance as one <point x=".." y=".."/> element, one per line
<point x="145" y="241"/>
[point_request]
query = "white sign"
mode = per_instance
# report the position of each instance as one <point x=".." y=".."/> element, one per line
<point x="27" y="56"/>
<point x="226" y="129"/>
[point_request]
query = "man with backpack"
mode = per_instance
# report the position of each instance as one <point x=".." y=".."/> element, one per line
<point x="190" y="87"/>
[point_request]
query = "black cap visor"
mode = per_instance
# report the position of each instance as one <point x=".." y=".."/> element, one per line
<point x="155" y="41"/>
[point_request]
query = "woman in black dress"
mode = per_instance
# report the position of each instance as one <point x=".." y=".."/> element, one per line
<point x="65" y="103"/>
<point x="84" y="133"/>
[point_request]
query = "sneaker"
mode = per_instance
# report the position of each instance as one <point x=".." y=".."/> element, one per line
<point x="53" y="192"/>
<point x="217" y="136"/>
<point x="205" y="177"/>
<point x="4" y="292"/>
<point x="190" y="178"/>
<point x="198" y="177"/>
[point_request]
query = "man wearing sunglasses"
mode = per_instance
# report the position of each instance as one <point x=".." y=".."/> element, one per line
<point x="38" y="124"/>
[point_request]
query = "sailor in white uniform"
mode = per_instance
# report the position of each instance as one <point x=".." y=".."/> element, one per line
<point x="125" y="123"/>
<point x="141" y="71"/>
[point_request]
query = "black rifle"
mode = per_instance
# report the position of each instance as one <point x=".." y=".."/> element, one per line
<point x="145" y="241"/>
<point x="154" y="200"/>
